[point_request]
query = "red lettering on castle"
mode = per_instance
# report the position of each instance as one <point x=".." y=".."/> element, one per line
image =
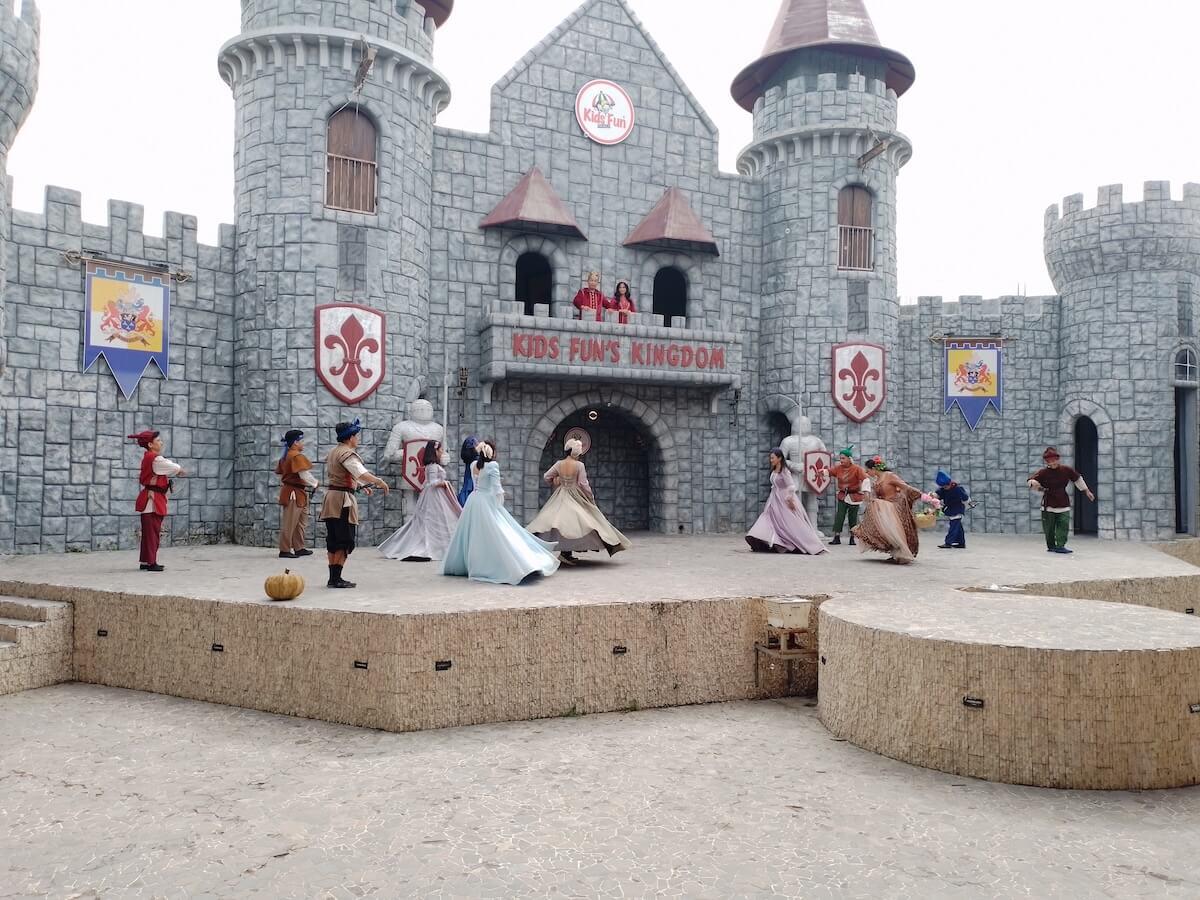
<point x="604" y="120"/>
<point x="601" y="351"/>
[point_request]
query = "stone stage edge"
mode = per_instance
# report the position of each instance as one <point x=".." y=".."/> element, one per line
<point x="673" y="621"/>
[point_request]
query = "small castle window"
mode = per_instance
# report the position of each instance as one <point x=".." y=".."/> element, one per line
<point x="1186" y="371"/>
<point x="535" y="280"/>
<point x="670" y="294"/>
<point x="856" y="236"/>
<point x="350" y="162"/>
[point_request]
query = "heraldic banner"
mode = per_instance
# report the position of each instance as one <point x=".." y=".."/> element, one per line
<point x="974" y="376"/>
<point x="126" y="321"/>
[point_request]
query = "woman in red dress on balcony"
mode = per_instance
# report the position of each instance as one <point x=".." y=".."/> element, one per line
<point x="591" y="299"/>
<point x="622" y="302"/>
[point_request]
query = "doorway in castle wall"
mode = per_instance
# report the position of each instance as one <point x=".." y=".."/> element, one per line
<point x="1185" y="460"/>
<point x="618" y="464"/>
<point x="1087" y="464"/>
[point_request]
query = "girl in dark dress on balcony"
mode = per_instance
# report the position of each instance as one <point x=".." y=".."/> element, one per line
<point x="622" y="302"/>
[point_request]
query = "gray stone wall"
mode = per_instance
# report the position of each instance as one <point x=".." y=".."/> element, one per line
<point x="70" y="475"/>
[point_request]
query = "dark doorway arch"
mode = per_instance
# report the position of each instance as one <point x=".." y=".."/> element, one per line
<point x="618" y="464"/>
<point x="670" y="294"/>
<point x="535" y="280"/>
<point x="1185" y="460"/>
<point x="1087" y="464"/>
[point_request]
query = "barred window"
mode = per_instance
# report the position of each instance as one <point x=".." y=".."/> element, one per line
<point x="856" y="236"/>
<point x="350" y="168"/>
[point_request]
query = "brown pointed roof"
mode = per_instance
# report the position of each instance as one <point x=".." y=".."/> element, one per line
<point x="826" y="24"/>
<point x="533" y="202"/>
<point x="673" y="222"/>
<point x="438" y="10"/>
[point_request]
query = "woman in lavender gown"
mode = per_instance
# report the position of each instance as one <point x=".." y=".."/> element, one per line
<point x="427" y="534"/>
<point x="783" y="526"/>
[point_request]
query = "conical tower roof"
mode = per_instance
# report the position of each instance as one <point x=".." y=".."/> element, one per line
<point x="535" y="205"/>
<point x="438" y="10"/>
<point x="820" y="24"/>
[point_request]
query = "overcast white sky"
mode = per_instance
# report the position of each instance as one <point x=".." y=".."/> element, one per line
<point x="1016" y="104"/>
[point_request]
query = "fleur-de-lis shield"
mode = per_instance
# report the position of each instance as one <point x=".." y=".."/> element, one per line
<point x="414" y="469"/>
<point x="349" y="351"/>
<point x="816" y="470"/>
<point x="859" y="379"/>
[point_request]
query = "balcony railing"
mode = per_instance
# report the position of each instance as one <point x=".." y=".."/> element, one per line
<point x="349" y="183"/>
<point x="856" y="248"/>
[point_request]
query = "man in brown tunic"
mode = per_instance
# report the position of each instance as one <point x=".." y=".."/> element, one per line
<point x="293" y="469"/>
<point x="344" y="473"/>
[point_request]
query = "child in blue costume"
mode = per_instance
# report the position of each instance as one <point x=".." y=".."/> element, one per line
<point x="954" y="499"/>
<point x="489" y="544"/>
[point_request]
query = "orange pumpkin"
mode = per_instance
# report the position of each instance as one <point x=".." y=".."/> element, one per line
<point x="287" y="586"/>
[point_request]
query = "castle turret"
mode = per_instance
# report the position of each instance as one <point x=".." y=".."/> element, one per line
<point x="19" y="72"/>
<point x="335" y="104"/>
<point x="1129" y="276"/>
<point x="826" y="149"/>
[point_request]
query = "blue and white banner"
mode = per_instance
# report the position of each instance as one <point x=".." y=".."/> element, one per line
<point x="126" y="315"/>
<point x="974" y="376"/>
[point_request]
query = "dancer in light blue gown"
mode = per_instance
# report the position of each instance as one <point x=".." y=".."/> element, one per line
<point x="489" y="544"/>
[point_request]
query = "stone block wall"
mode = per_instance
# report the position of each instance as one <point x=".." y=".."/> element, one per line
<point x="69" y="472"/>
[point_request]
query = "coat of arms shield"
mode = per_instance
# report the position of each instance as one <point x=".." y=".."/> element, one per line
<point x="414" y="468"/>
<point x="859" y="379"/>
<point x="350" y="343"/>
<point x="816" y="470"/>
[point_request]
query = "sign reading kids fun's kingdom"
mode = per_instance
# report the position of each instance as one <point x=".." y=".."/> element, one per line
<point x="604" y="111"/>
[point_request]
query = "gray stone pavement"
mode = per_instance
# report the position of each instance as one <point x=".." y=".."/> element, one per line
<point x="110" y="793"/>
<point x="657" y="568"/>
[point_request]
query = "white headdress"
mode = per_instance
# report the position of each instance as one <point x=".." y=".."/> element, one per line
<point x="574" y="446"/>
<point x="486" y="451"/>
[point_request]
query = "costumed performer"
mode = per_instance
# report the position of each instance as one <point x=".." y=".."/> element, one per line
<point x="954" y="499"/>
<point x="489" y="544"/>
<point x="590" y="301"/>
<point x="344" y="473"/>
<point x="850" y="494"/>
<point x="783" y="526"/>
<point x="155" y="477"/>
<point x="298" y="482"/>
<point x="570" y="519"/>
<point x="888" y="524"/>
<point x="1052" y="481"/>
<point x="427" y="534"/>
<point x="622" y="302"/>
<point x="468" y="455"/>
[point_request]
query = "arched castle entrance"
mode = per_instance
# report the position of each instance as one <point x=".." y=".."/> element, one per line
<point x="633" y="465"/>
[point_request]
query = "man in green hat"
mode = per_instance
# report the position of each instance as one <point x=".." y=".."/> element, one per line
<point x="850" y="496"/>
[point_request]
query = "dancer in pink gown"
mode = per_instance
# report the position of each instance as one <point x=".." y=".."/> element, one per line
<point x="783" y="526"/>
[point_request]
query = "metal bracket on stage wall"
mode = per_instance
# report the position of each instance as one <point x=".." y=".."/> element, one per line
<point x="78" y="258"/>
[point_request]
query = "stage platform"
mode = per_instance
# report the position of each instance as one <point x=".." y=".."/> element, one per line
<point x="673" y="621"/>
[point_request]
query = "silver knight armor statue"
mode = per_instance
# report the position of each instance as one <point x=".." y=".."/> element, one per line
<point x="794" y="447"/>
<point x="405" y="445"/>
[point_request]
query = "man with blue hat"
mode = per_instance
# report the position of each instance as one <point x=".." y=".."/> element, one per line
<point x="344" y="475"/>
<point x="954" y="499"/>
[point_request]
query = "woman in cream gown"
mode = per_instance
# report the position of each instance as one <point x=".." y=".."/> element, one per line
<point x="570" y="519"/>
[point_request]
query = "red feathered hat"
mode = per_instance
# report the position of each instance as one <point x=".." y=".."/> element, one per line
<point x="143" y="438"/>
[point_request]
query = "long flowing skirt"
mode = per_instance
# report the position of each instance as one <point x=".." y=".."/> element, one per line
<point x="575" y="524"/>
<point x="888" y="527"/>
<point x="784" y="530"/>
<point x="427" y="534"/>
<point x="490" y="545"/>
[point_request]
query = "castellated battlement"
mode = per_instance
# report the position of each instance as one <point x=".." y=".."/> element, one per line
<point x="1114" y="236"/>
<point x="18" y="66"/>
<point x="970" y="313"/>
<point x="828" y="99"/>
<point x="404" y="23"/>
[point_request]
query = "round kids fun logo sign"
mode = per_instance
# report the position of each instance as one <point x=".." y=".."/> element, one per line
<point x="604" y="111"/>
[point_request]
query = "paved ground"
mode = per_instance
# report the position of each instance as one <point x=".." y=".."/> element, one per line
<point x="658" y="567"/>
<point x="109" y="793"/>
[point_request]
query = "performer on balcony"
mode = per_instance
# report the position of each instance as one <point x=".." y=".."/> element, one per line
<point x="888" y="525"/>
<point x="293" y="469"/>
<point x="344" y="472"/>
<point x="155" y="477"/>
<point x="590" y="301"/>
<point x="783" y="526"/>
<point x="427" y="534"/>
<point x="622" y="302"/>
<point x="489" y="544"/>
<point x="570" y="519"/>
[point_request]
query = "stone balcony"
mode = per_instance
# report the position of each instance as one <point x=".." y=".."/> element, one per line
<point x="643" y="351"/>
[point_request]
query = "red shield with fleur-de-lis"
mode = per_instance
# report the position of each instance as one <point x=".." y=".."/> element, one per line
<point x="859" y="379"/>
<point x="816" y="470"/>
<point x="350" y="344"/>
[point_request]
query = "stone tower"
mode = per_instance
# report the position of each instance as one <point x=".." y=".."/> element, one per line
<point x="19" y="71"/>
<point x="296" y="65"/>
<point x="1129" y="276"/>
<point x="824" y="98"/>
